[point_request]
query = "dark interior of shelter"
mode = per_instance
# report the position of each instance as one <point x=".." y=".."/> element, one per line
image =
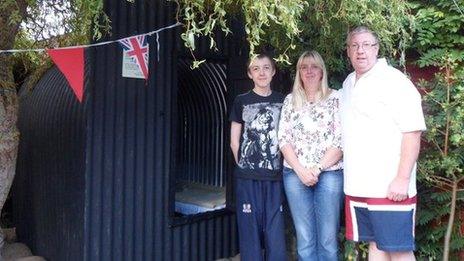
<point x="202" y="137"/>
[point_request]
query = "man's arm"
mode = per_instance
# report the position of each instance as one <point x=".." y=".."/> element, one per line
<point x="235" y="131"/>
<point x="410" y="146"/>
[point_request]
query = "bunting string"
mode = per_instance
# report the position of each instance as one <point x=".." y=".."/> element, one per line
<point x="70" y="60"/>
<point x="95" y="44"/>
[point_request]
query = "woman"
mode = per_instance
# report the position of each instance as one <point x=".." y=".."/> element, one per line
<point x="310" y="140"/>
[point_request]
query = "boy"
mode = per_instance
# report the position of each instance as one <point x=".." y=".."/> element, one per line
<point x="254" y="119"/>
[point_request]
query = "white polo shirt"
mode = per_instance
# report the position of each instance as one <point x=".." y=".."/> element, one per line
<point x="375" y="111"/>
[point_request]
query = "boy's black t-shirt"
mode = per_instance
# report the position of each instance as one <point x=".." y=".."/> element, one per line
<point x="259" y="156"/>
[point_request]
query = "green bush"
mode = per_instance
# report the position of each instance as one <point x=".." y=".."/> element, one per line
<point x="440" y="44"/>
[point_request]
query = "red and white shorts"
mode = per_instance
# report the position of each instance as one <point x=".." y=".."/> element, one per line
<point x="388" y="223"/>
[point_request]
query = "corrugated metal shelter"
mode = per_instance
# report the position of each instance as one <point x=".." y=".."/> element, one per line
<point x="49" y="186"/>
<point x="98" y="180"/>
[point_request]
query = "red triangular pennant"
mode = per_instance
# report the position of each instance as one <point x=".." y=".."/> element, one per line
<point x="71" y="64"/>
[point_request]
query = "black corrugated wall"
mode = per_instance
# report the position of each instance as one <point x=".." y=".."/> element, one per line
<point x="48" y="190"/>
<point x="129" y="152"/>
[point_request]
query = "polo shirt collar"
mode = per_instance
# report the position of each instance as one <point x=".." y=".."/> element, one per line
<point x="381" y="63"/>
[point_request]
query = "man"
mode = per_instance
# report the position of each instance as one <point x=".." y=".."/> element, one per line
<point x="382" y="122"/>
<point x="258" y="177"/>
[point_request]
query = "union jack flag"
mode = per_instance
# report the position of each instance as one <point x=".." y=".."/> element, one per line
<point x="136" y="47"/>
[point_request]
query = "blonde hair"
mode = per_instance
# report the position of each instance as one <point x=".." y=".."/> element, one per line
<point x="259" y="57"/>
<point x="298" y="92"/>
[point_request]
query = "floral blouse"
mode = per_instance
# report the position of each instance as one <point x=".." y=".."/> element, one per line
<point x="311" y="130"/>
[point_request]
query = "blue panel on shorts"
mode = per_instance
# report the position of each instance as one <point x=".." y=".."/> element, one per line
<point x="393" y="230"/>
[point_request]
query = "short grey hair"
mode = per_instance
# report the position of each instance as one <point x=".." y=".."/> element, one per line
<point x="358" y="30"/>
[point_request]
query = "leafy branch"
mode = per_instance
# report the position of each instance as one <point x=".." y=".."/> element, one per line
<point x="441" y="44"/>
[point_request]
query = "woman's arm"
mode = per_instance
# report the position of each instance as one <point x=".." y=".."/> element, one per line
<point x="330" y="158"/>
<point x="285" y="136"/>
<point x="305" y="175"/>
<point x="334" y="152"/>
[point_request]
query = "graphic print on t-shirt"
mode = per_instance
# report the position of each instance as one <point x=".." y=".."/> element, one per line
<point x="259" y="147"/>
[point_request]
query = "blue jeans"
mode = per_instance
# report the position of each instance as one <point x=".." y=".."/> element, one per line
<point x="316" y="213"/>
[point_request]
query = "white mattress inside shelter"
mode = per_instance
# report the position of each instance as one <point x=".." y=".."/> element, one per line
<point x="195" y="198"/>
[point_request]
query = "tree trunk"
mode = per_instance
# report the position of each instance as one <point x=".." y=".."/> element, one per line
<point x="9" y="135"/>
<point x="449" y="229"/>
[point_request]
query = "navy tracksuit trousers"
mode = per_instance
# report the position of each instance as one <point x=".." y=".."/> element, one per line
<point x="260" y="220"/>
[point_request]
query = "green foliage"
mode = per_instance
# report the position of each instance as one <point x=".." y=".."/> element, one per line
<point x="75" y="23"/>
<point x="440" y="43"/>
<point x="280" y="15"/>
<point x="439" y="24"/>
<point x="432" y="223"/>
<point x="325" y="24"/>
<point x="205" y="18"/>
<point x="202" y="19"/>
<point x="354" y="251"/>
<point x="441" y="166"/>
<point x="293" y="26"/>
